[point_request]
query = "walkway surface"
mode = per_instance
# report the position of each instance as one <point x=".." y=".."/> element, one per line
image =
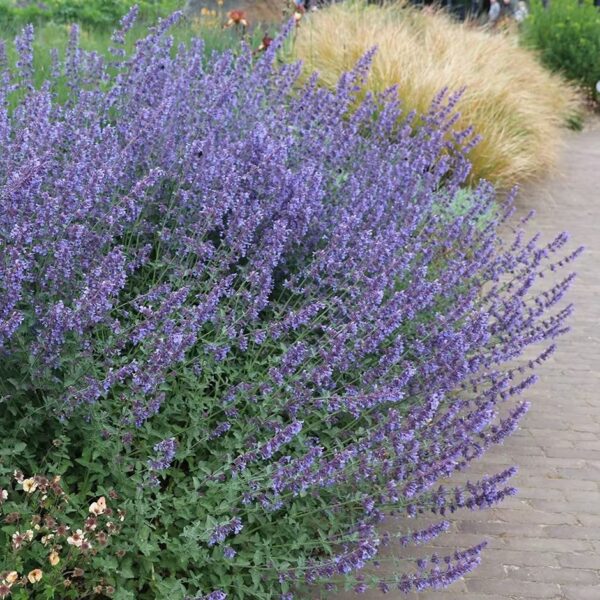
<point x="545" y="542"/>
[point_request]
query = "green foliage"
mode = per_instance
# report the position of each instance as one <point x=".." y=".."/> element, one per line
<point x="462" y="204"/>
<point x="166" y="529"/>
<point x="567" y="36"/>
<point x="89" y="13"/>
<point x="53" y="545"/>
<point x="54" y="35"/>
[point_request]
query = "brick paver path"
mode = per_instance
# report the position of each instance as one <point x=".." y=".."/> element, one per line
<point x="545" y="542"/>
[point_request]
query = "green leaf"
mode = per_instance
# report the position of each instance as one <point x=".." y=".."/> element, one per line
<point x="16" y="449"/>
<point x="126" y="570"/>
<point x="122" y="594"/>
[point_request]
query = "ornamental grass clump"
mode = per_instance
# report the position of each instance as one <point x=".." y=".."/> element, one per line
<point x="256" y="316"/>
<point x="517" y="106"/>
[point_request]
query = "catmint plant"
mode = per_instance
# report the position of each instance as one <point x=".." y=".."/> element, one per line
<point x="249" y="306"/>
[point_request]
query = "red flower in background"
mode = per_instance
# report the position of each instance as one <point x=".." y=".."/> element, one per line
<point x="266" y="42"/>
<point x="236" y="17"/>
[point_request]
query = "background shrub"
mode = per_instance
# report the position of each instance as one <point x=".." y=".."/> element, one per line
<point x="55" y="37"/>
<point x="567" y="36"/>
<point x="512" y="102"/>
<point x="88" y="13"/>
<point x="261" y="320"/>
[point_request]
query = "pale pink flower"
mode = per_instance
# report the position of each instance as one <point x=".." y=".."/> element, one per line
<point x="76" y="539"/>
<point x="35" y="575"/>
<point x="99" y="507"/>
<point x="29" y="485"/>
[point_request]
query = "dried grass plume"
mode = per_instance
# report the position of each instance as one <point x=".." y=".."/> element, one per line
<point x="512" y="101"/>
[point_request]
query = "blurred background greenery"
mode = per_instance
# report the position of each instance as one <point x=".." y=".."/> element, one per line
<point x="97" y="19"/>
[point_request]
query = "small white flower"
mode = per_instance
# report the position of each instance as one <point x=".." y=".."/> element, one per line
<point x="30" y="485"/>
<point x="76" y="539"/>
<point x="99" y="507"/>
<point x="11" y="577"/>
<point x="35" y="575"/>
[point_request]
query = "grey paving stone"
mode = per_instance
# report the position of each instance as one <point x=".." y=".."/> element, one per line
<point x="581" y="592"/>
<point x="510" y="587"/>
<point x="589" y="560"/>
<point x="524" y="559"/>
<point x="555" y="575"/>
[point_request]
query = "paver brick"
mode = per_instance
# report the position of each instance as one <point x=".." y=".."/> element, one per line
<point x="556" y="483"/>
<point x="589" y="445"/>
<point x="581" y="474"/>
<point x="589" y="507"/>
<point x="541" y="493"/>
<point x="555" y="575"/>
<point x="444" y="595"/>
<point x="589" y="560"/>
<point x="524" y="559"/>
<point x="581" y="592"/>
<point x="525" y="516"/>
<point x="583" y="496"/>
<point x="589" y="520"/>
<point x="513" y="587"/>
<point x="578" y="453"/>
<point x="542" y="434"/>
<point x="573" y="532"/>
<point x="559" y="545"/>
<point x="502" y="528"/>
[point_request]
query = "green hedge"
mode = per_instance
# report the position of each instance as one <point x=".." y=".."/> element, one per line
<point x="567" y="35"/>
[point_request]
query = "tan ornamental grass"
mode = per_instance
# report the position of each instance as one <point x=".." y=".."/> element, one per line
<point x="518" y="108"/>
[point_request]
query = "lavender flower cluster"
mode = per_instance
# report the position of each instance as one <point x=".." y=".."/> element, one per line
<point x="274" y="271"/>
